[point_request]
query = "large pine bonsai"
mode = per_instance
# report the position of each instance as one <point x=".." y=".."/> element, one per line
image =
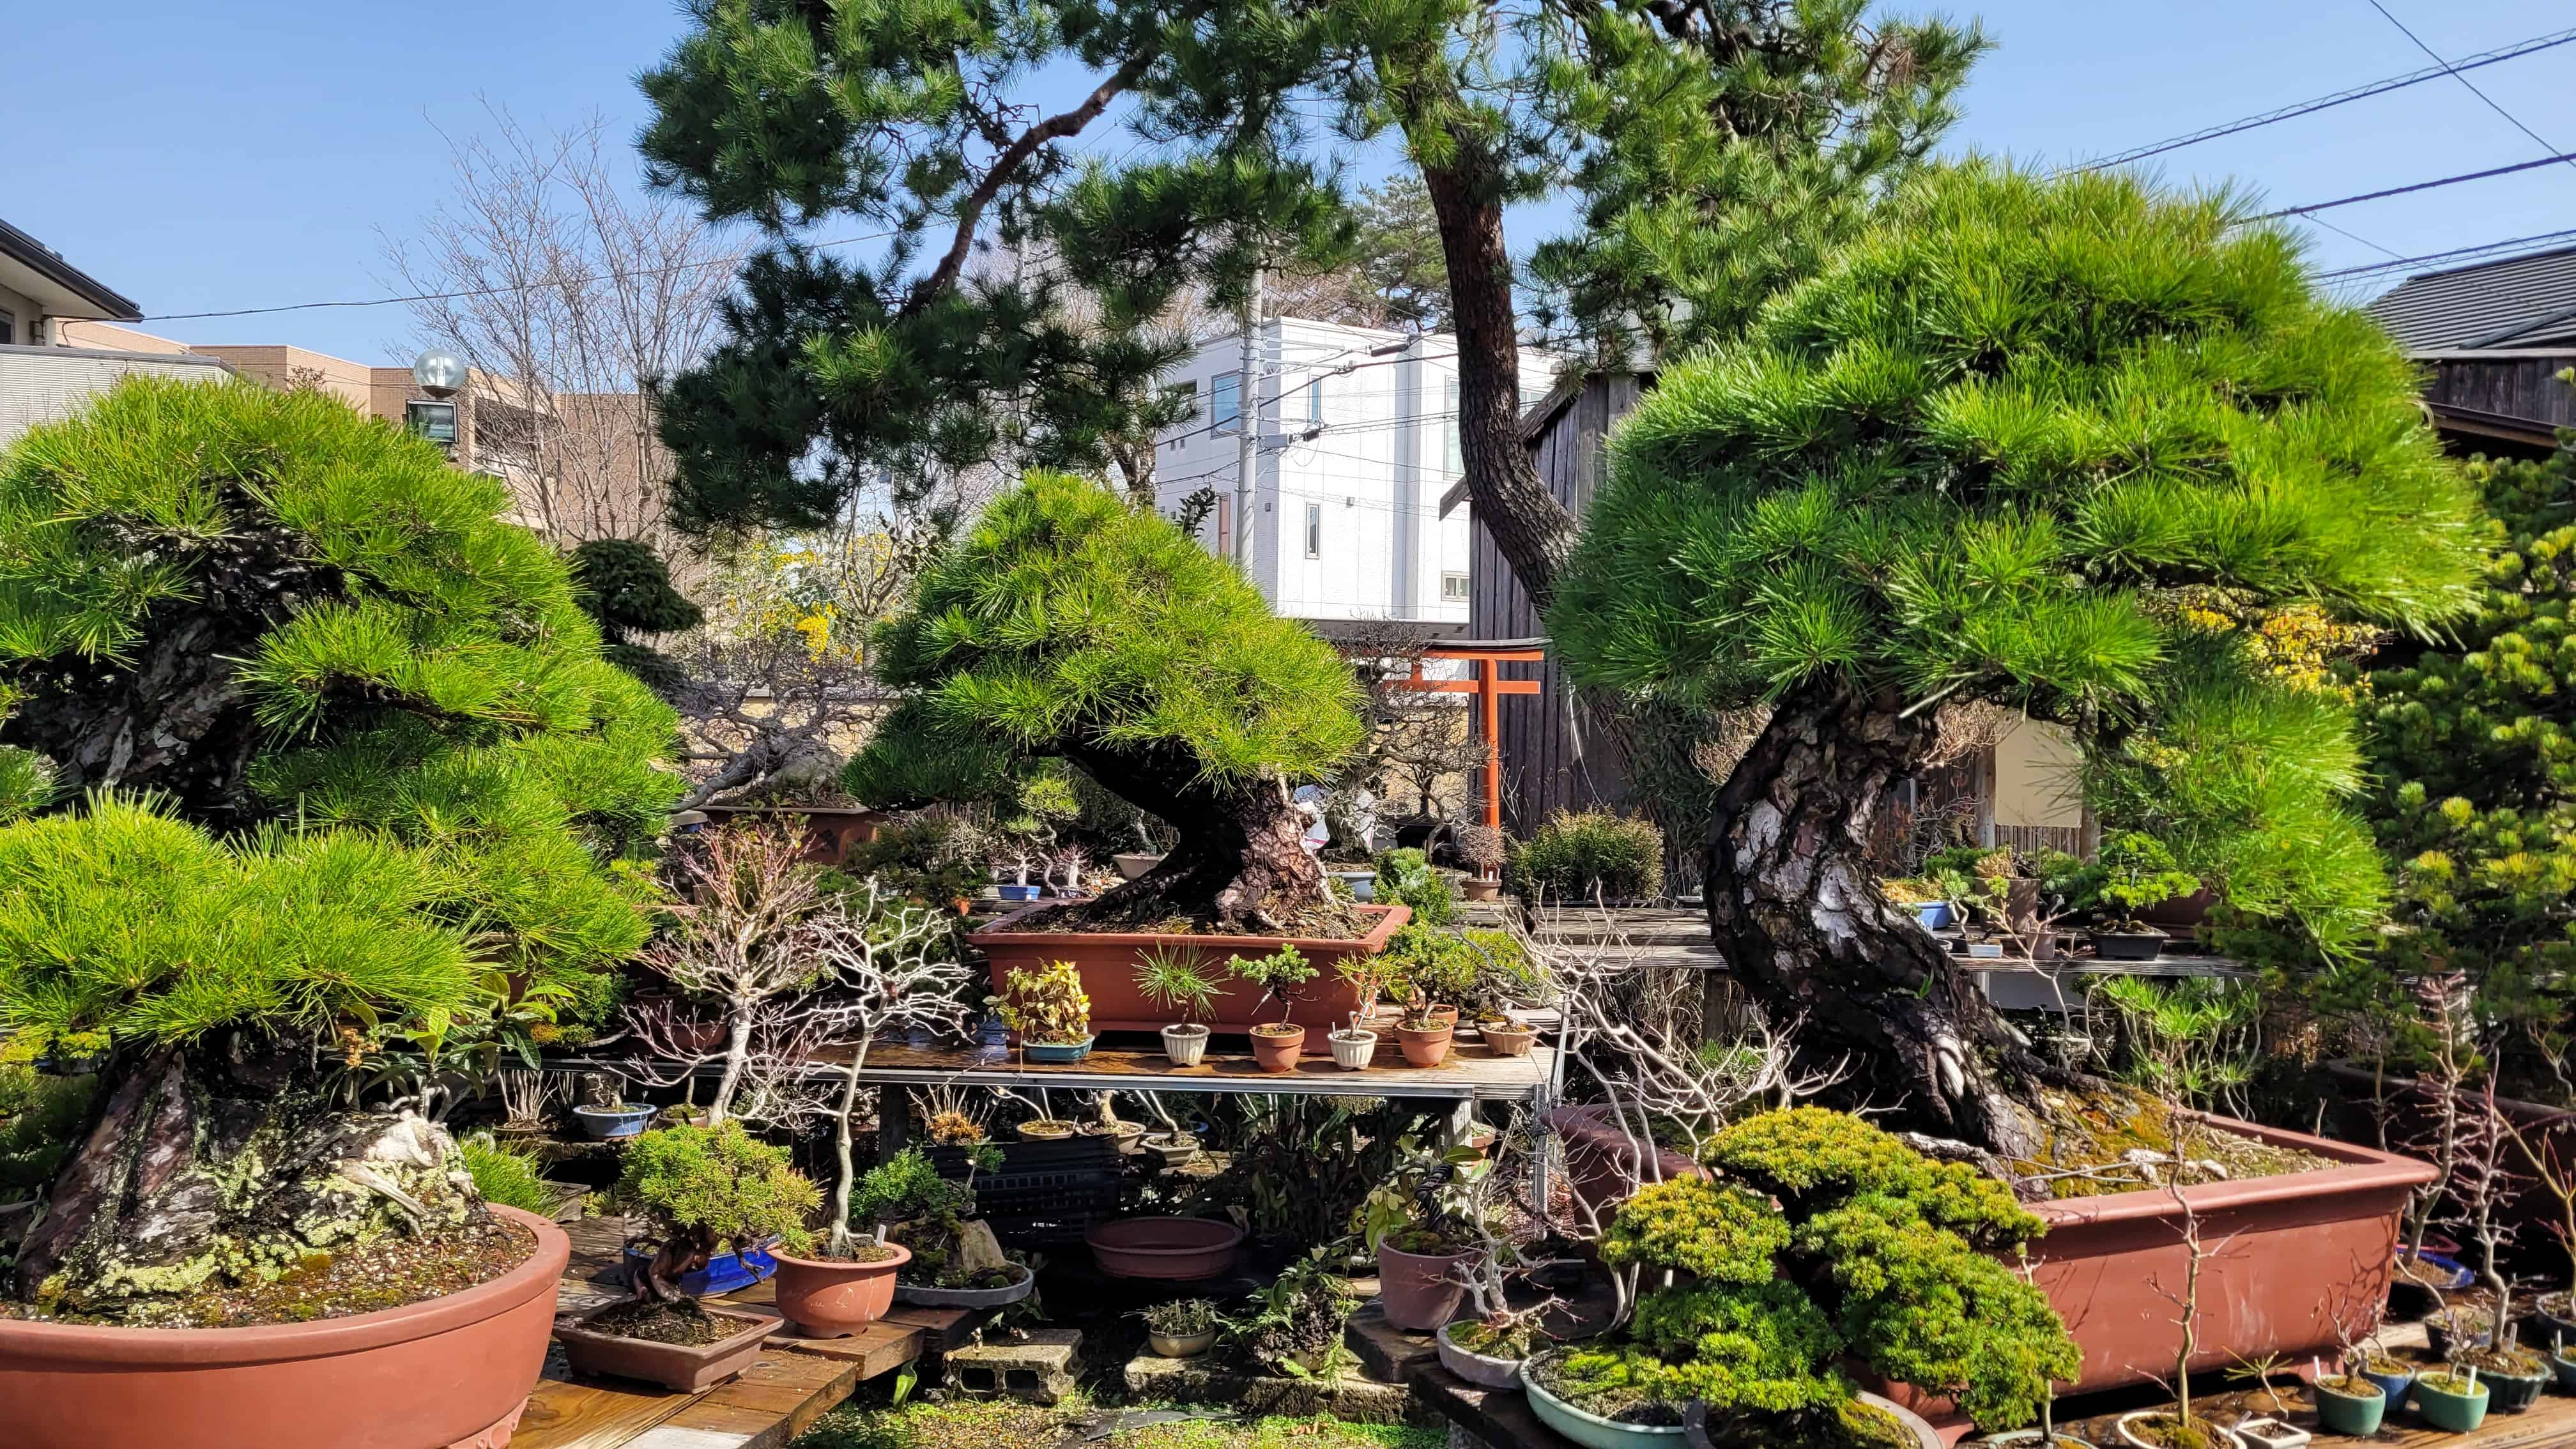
<point x="1071" y="626"/>
<point x="314" y="765"/>
<point x="1986" y="454"/>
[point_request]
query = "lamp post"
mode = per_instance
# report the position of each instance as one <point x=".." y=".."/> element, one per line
<point x="439" y="373"/>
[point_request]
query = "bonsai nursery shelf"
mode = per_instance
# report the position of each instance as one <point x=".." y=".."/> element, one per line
<point x="1470" y="1074"/>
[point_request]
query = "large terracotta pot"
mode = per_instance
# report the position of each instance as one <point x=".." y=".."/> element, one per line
<point x="2409" y="1109"/>
<point x="453" y="1371"/>
<point x="832" y="1298"/>
<point x="831" y="832"/>
<point x="1177" y="1250"/>
<point x="1107" y="961"/>
<point x="1601" y="1162"/>
<point x="2301" y="1247"/>
<point x="1418" y="1290"/>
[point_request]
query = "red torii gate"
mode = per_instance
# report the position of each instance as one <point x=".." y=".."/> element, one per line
<point x="1485" y="659"/>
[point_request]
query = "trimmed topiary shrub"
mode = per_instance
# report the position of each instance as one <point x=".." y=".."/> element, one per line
<point x="1589" y="855"/>
<point x="701" y="1186"/>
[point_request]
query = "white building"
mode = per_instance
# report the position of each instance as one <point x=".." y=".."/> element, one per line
<point x="1356" y="434"/>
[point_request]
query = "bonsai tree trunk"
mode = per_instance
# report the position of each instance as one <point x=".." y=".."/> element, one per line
<point x="1795" y="909"/>
<point x="844" y="1160"/>
<point x="197" y="1170"/>
<point x="737" y="1058"/>
<point x="683" y="1250"/>
<point x="1242" y="847"/>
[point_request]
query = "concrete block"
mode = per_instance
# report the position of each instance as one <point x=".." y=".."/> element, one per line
<point x="1387" y="1353"/>
<point x="1039" y="1368"/>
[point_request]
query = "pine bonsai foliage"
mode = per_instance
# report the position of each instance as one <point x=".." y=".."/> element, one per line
<point x="626" y="589"/>
<point x="1986" y="454"/>
<point x="2472" y="745"/>
<point x="1068" y="625"/>
<point x="333" y="763"/>
<point x="1823" y="1239"/>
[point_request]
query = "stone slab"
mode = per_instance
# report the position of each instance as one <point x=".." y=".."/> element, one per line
<point x="1387" y="1353"/>
<point x="1197" y="1381"/>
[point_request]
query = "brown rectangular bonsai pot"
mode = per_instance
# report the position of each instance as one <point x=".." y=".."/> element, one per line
<point x="1107" y="961"/>
<point x="684" y="1367"/>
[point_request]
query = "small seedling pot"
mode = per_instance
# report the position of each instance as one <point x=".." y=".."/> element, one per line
<point x="2357" y="1415"/>
<point x="1185" y="1042"/>
<point x="2397" y="1386"/>
<point x="2563" y="1368"/>
<point x="1511" y="1041"/>
<point x="1277" y="1051"/>
<point x="2271" y="1433"/>
<point x="1481" y="1369"/>
<point x="1352" y="1048"/>
<point x="2449" y="1409"/>
<point x="1058" y="1051"/>
<point x="600" y="1124"/>
<point x="2129" y="1429"/>
<point x="2512" y="1393"/>
<point x="1425" y="1047"/>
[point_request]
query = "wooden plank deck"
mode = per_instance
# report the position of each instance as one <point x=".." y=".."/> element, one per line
<point x="779" y="1397"/>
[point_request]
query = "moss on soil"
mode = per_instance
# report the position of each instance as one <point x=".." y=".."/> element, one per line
<point x="2099" y="1130"/>
<point x="386" y="1272"/>
<point x="684" y="1324"/>
<point x="1154" y="915"/>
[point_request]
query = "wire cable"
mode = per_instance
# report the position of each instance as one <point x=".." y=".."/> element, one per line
<point x="2491" y="102"/>
<point x="2454" y="254"/>
<point x="2415" y="187"/>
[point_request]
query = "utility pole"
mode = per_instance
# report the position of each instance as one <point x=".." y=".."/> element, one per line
<point x="1247" y="408"/>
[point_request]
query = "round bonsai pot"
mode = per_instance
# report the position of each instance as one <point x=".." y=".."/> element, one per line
<point x="1481" y="1369"/>
<point x="602" y="1124"/>
<point x="1475" y="889"/>
<point x="1362" y="883"/>
<point x="1353" y="1048"/>
<point x="1185" y="1042"/>
<point x="1058" y="1051"/>
<point x="1417" y="1290"/>
<point x="834" y="1298"/>
<point x="1425" y="1047"/>
<point x="924" y="1295"/>
<point x="452" y="1371"/>
<point x="1181" y="1345"/>
<point x="1044" y="1129"/>
<point x="1695" y="1424"/>
<point x="1589" y="1429"/>
<point x="2221" y="1438"/>
<point x="1176" y="1250"/>
<point x="1277" y="1049"/>
<point x="2450" y="1409"/>
<point x="2357" y="1415"/>
<point x="1133" y="864"/>
<point x="2393" y="1385"/>
<point x="1508" y="1041"/>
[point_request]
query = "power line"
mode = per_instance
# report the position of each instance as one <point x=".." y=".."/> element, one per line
<point x="2417" y="186"/>
<point x="2454" y="72"/>
<point x="2514" y="51"/>
<point x="2455" y="254"/>
<point x="612" y="275"/>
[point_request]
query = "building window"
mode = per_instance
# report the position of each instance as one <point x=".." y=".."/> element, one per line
<point x="1314" y="530"/>
<point x="1457" y="456"/>
<point x="1225" y="403"/>
<point x="1315" y="401"/>
<point x="8" y="328"/>
<point x="1453" y="588"/>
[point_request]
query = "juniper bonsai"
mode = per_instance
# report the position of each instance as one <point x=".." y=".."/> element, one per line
<point x="1983" y="455"/>
<point x="1070" y="626"/>
<point x="334" y="762"/>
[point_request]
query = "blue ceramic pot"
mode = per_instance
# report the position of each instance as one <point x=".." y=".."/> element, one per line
<point x="603" y="1123"/>
<point x="1059" y="1051"/>
<point x="1936" y="915"/>
<point x="2461" y="1276"/>
<point x="724" y="1273"/>
<point x="1016" y="892"/>
<point x="2394" y="1387"/>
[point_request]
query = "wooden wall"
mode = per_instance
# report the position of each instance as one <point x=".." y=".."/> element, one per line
<point x="1551" y="759"/>
<point x="2518" y="387"/>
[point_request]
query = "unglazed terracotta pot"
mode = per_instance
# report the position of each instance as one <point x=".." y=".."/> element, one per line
<point x="1417" y="1290"/>
<point x="681" y="1367"/>
<point x="830" y="1298"/>
<point x="453" y="1371"/>
<point x="1278" y="1052"/>
<point x="1107" y="961"/>
<point x="1508" y="1041"/>
<point x="1177" y="1250"/>
<point x="1425" y="1047"/>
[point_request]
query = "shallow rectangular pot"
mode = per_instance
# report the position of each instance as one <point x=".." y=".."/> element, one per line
<point x="685" y="1368"/>
<point x="1107" y="961"/>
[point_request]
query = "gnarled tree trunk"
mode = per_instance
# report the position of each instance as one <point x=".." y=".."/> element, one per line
<point x="1242" y="856"/>
<point x="1797" y="913"/>
<point x="199" y="1170"/>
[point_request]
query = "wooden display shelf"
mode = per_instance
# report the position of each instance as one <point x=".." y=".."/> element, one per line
<point x="1471" y="1073"/>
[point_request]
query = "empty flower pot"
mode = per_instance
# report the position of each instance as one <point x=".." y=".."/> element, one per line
<point x="835" y="1297"/>
<point x="1276" y="1048"/>
<point x="1353" y="1049"/>
<point x="1425" y="1046"/>
<point x="1176" y="1250"/>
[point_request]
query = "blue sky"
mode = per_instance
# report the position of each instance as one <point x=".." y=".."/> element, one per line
<point x="204" y="157"/>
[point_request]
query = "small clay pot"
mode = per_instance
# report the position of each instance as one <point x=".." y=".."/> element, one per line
<point x="1185" y="1042"/>
<point x="1508" y="1041"/>
<point x="1419" y="1291"/>
<point x="1444" y="1014"/>
<point x="1425" y="1047"/>
<point x="681" y="1367"/>
<point x="1277" y="1050"/>
<point x="1181" y="1345"/>
<point x="1480" y="890"/>
<point x="1353" y="1049"/>
<point x="833" y="1297"/>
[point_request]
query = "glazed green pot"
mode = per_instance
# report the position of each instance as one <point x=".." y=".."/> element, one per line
<point x="2355" y="1414"/>
<point x="2447" y="1409"/>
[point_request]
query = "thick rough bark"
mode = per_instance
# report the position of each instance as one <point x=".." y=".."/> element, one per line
<point x="1797" y="913"/>
<point x="1535" y="532"/>
<point x="1242" y="845"/>
<point x="198" y="1171"/>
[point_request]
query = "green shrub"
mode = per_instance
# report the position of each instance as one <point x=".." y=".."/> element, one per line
<point x="1406" y="877"/>
<point x="717" y="1183"/>
<point x="1589" y="855"/>
<point x="505" y="1175"/>
<point x="903" y="1188"/>
<point x="934" y="859"/>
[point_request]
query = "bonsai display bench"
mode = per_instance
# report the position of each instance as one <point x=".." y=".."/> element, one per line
<point x="795" y="1381"/>
<point x="1470" y="1074"/>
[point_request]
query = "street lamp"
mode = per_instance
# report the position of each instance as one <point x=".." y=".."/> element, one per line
<point x="439" y="373"/>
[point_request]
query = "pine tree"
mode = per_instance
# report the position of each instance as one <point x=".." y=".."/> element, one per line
<point x="2472" y="747"/>
<point x="1983" y="455"/>
<point x="626" y="589"/>
<point x="1069" y="626"/>
<point x="334" y="765"/>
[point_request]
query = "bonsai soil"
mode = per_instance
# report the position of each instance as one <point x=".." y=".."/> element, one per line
<point x="687" y="1325"/>
<point x="391" y="1272"/>
<point x="2101" y="1131"/>
<point x="863" y="1253"/>
<point x="2172" y="1433"/>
